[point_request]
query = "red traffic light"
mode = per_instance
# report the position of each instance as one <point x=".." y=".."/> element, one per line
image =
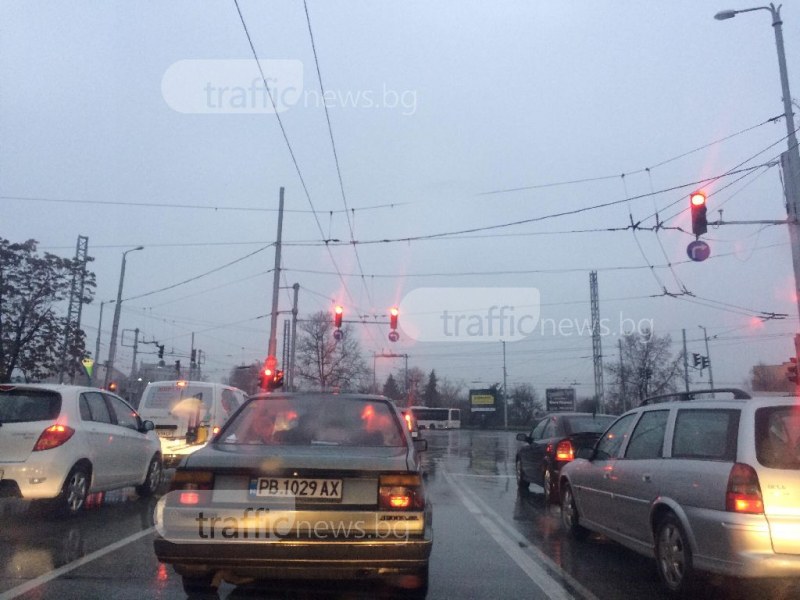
<point x="697" y="202"/>
<point x="338" y="311"/>
<point x="393" y="312"/>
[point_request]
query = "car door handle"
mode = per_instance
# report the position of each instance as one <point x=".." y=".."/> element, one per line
<point x="647" y="478"/>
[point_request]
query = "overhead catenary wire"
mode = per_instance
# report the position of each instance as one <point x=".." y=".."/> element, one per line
<point x="289" y="146"/>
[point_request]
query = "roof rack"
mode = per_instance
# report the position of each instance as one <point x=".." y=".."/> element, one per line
<point x="687" y="396"/>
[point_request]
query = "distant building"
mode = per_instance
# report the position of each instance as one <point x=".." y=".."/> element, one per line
<point x="771" y="378"/>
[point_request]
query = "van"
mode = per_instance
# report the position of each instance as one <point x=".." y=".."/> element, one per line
<point x="187" y="413"/>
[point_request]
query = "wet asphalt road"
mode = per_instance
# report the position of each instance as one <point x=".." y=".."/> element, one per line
<point x="489" y="542"/>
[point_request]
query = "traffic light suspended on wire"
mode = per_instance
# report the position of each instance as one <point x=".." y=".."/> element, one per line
<point x="338" y="312"/>
<point x="697" y="202"/>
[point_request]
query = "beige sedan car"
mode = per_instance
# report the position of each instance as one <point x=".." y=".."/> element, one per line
<point x="301" y="486"/>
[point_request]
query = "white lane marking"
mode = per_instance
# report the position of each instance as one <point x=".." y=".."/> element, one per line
<point x="50" y="575"/>
<point x="519" y="539"/>
<point x="552" y="588"/>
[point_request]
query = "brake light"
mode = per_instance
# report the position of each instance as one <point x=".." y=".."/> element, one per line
<point x="744" y="491"/>
<point x="189" y="498"/>
<point x="53" y="436"/>
<point x="192" y="487"/>
<point x="409" y="422"/>
<point x="565" y="451"/>
<point x="400" y="492"/>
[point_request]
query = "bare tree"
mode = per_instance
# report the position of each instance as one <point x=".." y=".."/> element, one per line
<point x="524" y="404"/>
<point x="325" y="363"/>
<point x="647" y="369"/>
<point x="31" y="289"/>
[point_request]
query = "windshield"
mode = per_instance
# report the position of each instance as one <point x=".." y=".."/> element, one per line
<point x="315" y="420"/>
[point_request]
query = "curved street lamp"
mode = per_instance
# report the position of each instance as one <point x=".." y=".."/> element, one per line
<point x="112" y="351"/>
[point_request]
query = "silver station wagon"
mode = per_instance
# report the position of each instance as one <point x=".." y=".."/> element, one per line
<point x="707" y="484"/>
<point x="301" y="486"/>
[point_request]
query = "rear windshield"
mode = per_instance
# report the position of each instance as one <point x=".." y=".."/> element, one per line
<point x="588" y="424"/>
<point x="315" y="420"/>
<point x="171" y="396"/>
<point x="778" y="437"/>
<point x="25" y="406"/>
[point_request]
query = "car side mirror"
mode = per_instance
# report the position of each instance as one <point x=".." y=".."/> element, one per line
<point x="420" y="445"/>
<point x="586" y="453"/>
<point x="148" y="426"/>
<point x="523" y="437"/>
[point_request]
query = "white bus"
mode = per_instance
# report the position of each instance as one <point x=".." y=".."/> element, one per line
<point x="437" y="418"/>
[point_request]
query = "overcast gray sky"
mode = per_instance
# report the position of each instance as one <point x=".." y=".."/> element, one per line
<point x="432" y="104"/>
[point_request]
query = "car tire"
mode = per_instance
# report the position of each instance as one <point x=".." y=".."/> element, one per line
<point x="550" y="497"/>
<point x="74" y="492"/>
<point x="153" y="478"/>
<point x="570" y="517"/>
<point x="674" y="556"/>
<point x="522" y="483"/>
<point x="199" y="586"/>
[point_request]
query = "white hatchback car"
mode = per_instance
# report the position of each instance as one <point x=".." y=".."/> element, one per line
<point x="63" y="442"/>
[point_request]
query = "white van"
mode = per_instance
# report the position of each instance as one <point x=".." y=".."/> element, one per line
<point x="187" y="413"/>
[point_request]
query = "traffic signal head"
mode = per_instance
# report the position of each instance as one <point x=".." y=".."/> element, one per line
<point x="161" y="351"/>
<point x="705" y="361"/>
<point x="697" y="203"/>
<point x="112" y="386"/>
<point x="791" y="370"/>
<point x="276" y="381"/>
<point x="338" y="311"/>
<point x="393" y="312"/>
<point x="696" y="359"/>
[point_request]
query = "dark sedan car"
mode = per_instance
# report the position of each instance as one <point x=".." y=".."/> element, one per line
<point x="553" y="442"/>
<point x="301" y="486"/>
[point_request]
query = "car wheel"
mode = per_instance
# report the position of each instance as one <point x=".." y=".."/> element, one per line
<point x="152" y="480"/>
<point x="522" y="483"/>
<point x="547" y="484"/>
<point x="569" y="515"/>
<point x="74" y="492"/>
<point x="674" y="556"/>
<point x="199" y="586"/>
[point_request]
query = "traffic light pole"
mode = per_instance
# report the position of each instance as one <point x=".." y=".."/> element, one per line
<point x="790" y="160"/>
<point x="272" y="360"/>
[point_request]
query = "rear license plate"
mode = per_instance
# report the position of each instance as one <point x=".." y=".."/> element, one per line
<point x="284" y="487"/>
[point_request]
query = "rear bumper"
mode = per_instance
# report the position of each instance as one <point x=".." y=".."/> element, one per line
<point x="289" y="559"/>
<point x="41" y="476"/>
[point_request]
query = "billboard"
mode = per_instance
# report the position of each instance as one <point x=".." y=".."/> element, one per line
<point x="560" y="399"/>
<point x="482" y="401"/>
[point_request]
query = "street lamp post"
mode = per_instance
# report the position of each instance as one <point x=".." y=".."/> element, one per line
<point x="791" y="158"/>
<point x="112" y="351"/>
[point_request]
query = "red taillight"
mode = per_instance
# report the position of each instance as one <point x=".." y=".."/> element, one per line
<point x="409" y="422"/>
<point x="53" y="436"/>
<point x="192" y="487"/>
<point x="565" y="451"/>
<point x="744" y="491"/>
<point x="189" y="498"/>
<point x="400" y="492"/>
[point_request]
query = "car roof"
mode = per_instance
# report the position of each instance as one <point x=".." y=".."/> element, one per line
<point x="55" y="387"/>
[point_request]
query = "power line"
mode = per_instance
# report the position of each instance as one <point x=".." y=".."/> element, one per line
<point x="645" y="169"/>
<point x="289" y="145"/>
<point x="194" y="206"/>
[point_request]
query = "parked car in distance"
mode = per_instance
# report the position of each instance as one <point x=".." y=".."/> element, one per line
<point x="554" y="441"/>
<point x="61" y="443"/>
<point x="187" y="414"/>
<point x="320" y="486"/>
<point x="700" y="484"/>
